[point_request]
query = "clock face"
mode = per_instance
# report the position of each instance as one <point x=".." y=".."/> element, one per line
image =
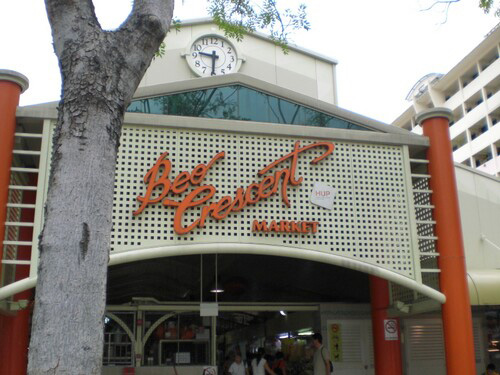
<point x="212" y="55"/>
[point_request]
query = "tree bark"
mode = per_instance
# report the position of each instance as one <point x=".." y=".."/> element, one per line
<point x="100" y="73"/>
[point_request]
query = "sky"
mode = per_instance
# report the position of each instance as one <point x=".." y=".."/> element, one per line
<point x="382" y="47"/>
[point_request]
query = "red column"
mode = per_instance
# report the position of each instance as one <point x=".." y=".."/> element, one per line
<point x="11" y="86"/>
<point x="456" y="312"/>
<point x="13" y="328"/>
<point x="387" y="350"/>
<point x="19" y="340"/>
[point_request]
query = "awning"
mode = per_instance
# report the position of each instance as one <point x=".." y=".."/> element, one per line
<point x="484" y="287"/>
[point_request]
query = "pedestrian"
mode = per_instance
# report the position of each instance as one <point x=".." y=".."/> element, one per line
<point x="238" y="367"/>
<point x="279" y="365"/>
<point x="491" y="369"/>
<point x="321" y="359"/>
<point x="259" y="364"/>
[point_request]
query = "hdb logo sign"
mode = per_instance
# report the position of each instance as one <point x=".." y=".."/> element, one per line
<point x="323" y="195"/>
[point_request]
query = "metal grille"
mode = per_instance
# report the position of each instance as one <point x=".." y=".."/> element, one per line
<point x="425" y="235"/>
<point x="426" y="340"/>
<point x="351" y="342"/>
<point x="11" y="232"/>
<point x="370" y="220"/>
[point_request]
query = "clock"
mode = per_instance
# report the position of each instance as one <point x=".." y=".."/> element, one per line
<point x="212" y="55"/>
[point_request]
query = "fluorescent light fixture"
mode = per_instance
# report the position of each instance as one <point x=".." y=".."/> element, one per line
<point x="283" y="335"/>
<point x="283" y="312"/>
<point x="305" y="333"/>
<point x="217" y="290"/>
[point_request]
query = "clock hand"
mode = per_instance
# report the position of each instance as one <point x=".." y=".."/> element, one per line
<point x="214" y="56"/>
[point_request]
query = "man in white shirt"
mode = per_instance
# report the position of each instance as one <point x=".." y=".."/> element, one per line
<point x="321" y="360"/>
<point x="238" y="367"/>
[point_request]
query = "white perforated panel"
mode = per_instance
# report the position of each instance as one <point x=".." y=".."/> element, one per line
<point x="369" y="220"/>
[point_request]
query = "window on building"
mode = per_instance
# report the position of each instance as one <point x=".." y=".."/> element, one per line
<point x="238" y="103"/>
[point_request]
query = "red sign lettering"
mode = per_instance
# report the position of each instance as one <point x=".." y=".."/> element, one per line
<point x="157" y="179"/>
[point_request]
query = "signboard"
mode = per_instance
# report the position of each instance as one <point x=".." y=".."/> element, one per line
<point x="183" y="358"/>
<point x="209" y="370"/>
<point x="370" y="220"/>
<point x="159" y="186"/>
<point x="391" y="329"/>
<point x="323" y="195"/>
<point x="209" y="309"/>
<point x="335" y="339"/>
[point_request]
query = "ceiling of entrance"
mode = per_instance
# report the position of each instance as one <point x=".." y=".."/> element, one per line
<point x="244" y="278"/>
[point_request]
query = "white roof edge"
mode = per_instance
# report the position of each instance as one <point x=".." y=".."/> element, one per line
<point x="261" y="35"/>
<point x="477" y="171"/>
<point x="252" y="82"/>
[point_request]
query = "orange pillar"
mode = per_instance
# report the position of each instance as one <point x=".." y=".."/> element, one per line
<point x="11" y="86"/>
<point x="456" y="312"/>
<point x="17" y="357"/>
<point x="386" y="335"/>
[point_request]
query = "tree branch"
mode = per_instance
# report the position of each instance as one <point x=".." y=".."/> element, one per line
<point x="67" y="17"/>
<point x="143" y="32"/>
<point x="448" y="2"/>
<point x="147" y="16"/>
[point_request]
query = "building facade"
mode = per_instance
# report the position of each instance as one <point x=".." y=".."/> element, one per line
<point x="249" y="210"/>
<point x="471" y="90"/>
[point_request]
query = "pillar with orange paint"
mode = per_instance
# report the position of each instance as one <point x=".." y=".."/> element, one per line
<point x="386" y="333"/>
<point x="12" y="84"/>
<point x="456" y="311"/>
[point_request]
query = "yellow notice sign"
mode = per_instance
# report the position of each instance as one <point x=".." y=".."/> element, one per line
<point x="335" y="338"/>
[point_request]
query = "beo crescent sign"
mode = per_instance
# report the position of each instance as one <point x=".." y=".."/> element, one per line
<point x="157" y="178"/>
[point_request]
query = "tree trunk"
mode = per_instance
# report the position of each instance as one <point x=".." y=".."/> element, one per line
<point x="100" y="72"/>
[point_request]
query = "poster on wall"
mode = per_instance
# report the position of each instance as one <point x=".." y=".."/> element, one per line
<point x="335" y="341"/>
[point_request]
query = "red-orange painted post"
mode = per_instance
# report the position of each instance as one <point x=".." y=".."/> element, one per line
<point x="456" y="312"/>
<point x="11" y="86"/>
<point x="17" y="357"/>
<point x="386" y="335"/>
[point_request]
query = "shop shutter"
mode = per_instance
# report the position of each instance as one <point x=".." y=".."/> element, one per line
<point x="357" y="347"/>
<point x="351" y="343"/>
<point x="426" y="341"/>
<point x="425" y="351"/>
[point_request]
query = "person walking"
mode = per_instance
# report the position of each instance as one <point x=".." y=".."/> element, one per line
<point x="321" y="359"/>
<point x="491" y="369"/>
<point x="259" y="364"/>
<point x="238" y="367"/>
<point x="279" y="365"/>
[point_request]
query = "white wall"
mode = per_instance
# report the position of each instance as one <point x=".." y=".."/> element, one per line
<point x="479" y="199"/>
<point x="297" y="71"/>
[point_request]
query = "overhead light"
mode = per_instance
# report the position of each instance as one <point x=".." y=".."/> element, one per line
<point x="307" y="333"/>
<point x="217" y="290"/>
<point x="284" y="335"/>
<point x="283" y="312"/>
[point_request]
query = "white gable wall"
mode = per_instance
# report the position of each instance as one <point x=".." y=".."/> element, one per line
<point x="299" y="71"/>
